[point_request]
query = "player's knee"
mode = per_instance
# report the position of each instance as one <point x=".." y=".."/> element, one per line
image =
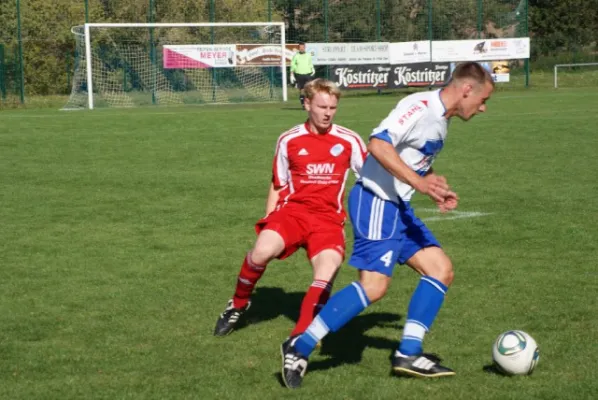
<point x="326" y="264"/>
<point x="262" y="254"/>
<point x="443" y="271"/>
<point x="326" y="272"/>
<point x="269" y="245"/>
<point x="375" y="291"/>
<point x="375" y="287"/>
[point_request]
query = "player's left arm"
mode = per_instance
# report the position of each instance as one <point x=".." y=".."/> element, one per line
<point x="293" y="69"/>
<point x="311" y="64"/>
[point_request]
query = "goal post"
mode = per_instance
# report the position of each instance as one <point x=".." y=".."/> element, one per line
<point x="577" y="65"/>
<point x="134" y="64"/>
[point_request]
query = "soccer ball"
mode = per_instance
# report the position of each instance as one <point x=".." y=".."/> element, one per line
<point x="515" y="353"/>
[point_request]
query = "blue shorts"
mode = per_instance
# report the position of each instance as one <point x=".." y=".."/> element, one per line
<point x="385" y="233"/>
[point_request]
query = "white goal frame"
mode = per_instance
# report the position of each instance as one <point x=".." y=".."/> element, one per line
<point x="88" y="53"/>
<point x="556" y="67"/>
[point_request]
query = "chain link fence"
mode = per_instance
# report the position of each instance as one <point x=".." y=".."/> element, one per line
<point x="37" y="49"/>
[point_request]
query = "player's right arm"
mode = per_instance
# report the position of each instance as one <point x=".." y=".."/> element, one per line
<point x="450" y="201"/>
<point x="431" y="185"/>
<point x="293" y="67"/>
<point x="280" y="173"/>
<point x="398" y="128"/>
<point x="273" y="197"/>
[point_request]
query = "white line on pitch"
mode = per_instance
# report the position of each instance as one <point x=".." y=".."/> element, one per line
<point x="453" y="215"/>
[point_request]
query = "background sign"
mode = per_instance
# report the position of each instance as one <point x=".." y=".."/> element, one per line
<point x="258" y="55"/>
<point x="348" y="53"/>
<point x="361" y="76"/>
<point x="481" y="49"/>
<point x="384" y="76"/>
<point x="409" y="52"/>
<point x="420" y="74"/>
<point x="199" y="56"/>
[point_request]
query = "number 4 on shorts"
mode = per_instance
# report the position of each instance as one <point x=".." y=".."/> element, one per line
<point x="387" y="258"/>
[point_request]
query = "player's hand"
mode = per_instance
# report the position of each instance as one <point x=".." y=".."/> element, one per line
<point x="451" y="201"/>
<point x="292" y="80"/>
<point x="434" y="186"/>
<point x="313" y="73"/>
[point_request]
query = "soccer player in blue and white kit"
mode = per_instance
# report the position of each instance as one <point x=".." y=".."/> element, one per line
<point x="386" y="230"/>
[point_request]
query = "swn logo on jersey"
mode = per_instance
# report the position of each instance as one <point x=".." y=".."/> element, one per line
<point x="412" y="110"/>
<point x="320" y="169"/>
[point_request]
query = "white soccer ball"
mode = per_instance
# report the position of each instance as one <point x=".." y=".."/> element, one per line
<point x="515" y="353"/>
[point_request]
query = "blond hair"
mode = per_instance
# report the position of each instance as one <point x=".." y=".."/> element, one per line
<point x="320" y="85"/>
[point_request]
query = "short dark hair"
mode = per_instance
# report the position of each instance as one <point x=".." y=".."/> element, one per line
<point x="472" y="70"/>
<point x="301" y="43"/>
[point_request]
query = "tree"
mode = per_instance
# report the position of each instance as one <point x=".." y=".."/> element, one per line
<point x="562" y="26"/>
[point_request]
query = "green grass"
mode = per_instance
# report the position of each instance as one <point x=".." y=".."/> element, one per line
<point x="121" y="233"/>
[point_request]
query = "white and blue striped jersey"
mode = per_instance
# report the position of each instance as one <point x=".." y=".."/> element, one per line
<point x="417" y="128"/>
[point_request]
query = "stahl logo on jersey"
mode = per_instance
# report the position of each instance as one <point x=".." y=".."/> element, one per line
<point x="412" y="110"/>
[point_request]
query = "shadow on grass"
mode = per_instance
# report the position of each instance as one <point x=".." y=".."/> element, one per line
<point x="347" y="345"/>
<point x="268" y="303"/>
<point x="343" y="347"/>
<point x="492" y="369"/>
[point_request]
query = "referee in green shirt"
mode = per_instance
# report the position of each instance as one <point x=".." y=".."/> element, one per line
<point x="302" y="71"/>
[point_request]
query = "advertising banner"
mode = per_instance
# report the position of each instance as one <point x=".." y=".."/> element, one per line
<point x="259" y="55"/>
<point x="500" y="70"/>
<point x="380" y="76"/>
<point x="348" y="53"/>
<point x="420" y="74"/>
<point x="361" y="76"/>
<point x="199" y="56"/>
<point x="481" y="49"/>
<point x="409" y="52"/>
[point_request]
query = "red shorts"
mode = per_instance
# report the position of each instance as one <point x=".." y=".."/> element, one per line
<point x="299" y="228"/>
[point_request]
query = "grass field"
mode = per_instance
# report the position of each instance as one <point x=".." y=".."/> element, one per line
<point x="121" y="233"/>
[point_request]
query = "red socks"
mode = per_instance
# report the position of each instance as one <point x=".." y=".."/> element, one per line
<point x="248" y="276"/>
<point x="316" y="297"/>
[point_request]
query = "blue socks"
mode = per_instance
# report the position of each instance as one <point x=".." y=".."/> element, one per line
<point x="423" y="308"/>
<point x="352" y="300"/>
<point x="340" y="309"/>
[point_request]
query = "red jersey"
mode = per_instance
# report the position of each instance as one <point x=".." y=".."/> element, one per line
<point x="312" y="168"/>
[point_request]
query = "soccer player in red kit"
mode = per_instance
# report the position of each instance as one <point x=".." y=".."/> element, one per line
<point x="304" y="207"/>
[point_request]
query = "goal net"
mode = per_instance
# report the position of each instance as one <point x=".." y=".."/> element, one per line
<point x="576" y="75"/>
<point x="132" y="65"/>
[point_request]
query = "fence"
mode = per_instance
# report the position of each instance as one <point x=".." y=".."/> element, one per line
<point x="37" y="48"/>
